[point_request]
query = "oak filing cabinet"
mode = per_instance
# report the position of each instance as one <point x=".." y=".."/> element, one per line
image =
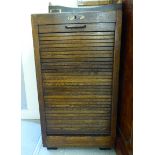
<point x="77" y="54"/>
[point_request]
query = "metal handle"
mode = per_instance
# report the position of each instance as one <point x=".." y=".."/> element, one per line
<point x="75" y="26"/>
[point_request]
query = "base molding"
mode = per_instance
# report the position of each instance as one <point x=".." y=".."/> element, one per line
<point x="78" y="141"/>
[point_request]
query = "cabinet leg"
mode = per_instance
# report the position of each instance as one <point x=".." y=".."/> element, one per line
<point x="52" y="148"/>
<point x="102" y="148"/>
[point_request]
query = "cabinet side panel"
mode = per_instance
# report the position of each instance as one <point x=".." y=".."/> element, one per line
<point x="39" y="77"/>
<point x="116" y="70"/>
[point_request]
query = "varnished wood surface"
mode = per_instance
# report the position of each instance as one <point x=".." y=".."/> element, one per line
<point x="39" y="80"/>
<point x="116" y="65"/>
<point x="94" y="3"/>
<point x="78" y="74"/>
<point x="89" y="17"/>
<point x="125" y="106"/>
<point x="89" y="27"/>
<point x="84" y="141"/>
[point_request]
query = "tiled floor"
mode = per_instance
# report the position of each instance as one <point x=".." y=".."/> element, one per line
<point x="32" y="145"/>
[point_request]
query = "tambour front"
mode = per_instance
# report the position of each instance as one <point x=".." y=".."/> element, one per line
<point x="77" y="65"/>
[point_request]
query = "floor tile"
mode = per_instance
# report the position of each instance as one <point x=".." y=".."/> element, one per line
<point x="30" y="134"/>
<point x="76" y="151"/>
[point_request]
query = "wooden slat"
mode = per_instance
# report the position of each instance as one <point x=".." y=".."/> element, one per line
<point x="83" y="74"/>
<point x="77" y="67"/>
<point x="78" y="131"/>
<point x="65" y="41"/>
<point x="93" y="83"/>
<point x="49" y="76"/>
<point x="103" y="116"/>
<point x="74" y="54"/>
<point x="75" y="130"/>
<point x="76" y="90"/>
<point x="71" y="109"/>
<point x="84" y="59"/>
<point x="77" y="64"/>
<point x="74" y="111"/>
<point x="78" y="34"/>
<point x="82" y="97"/>
<point x="72" y="100"/>
<point x="69" y="115"/>
<point x="78" y="80"/>
<point x="77" y="45"/>
<point x="79" y="123"/>
<point x="89" y="27"/>
<point x="52" y="38"/>
<point x="78" y="93"/>
<point x="103" y="48"/>
<point x="77" y="104"/>
<point x="93" y="53"/>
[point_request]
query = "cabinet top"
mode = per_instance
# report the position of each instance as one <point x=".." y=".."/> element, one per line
<point x="103" y="8"/>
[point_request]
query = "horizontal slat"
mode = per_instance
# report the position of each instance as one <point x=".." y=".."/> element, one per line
<point x="75" y="90"/>
<point x="76" y="45"/>
<point x="75" y="54"/>
<point x="89" y="27"/>
<point x="78" y="123"/>
<point x="77" y="105"/>
<point x="70" y="109"/>
<point x="78" y="131"/>
<point x="69" y="115"/>
<point x="83" y="100"/>
<point x="55" y="64"/>
<point x="78" y="80"/>
<point x="49" y="76"/>
<point x="77" y="67"/>
<point x="103" y="48"/>
<point x="78" y="93"/>
<point x="93" y="53"/>
<point x="82" y="125"/>
<point x="83" y="74"/>
<point x="86" y="35"/>
<point x="83" y="97"/>
<point x="77" y="87"/>
<point x="84" y="59"/>
<point x="77" y="83"/>
<point x="65" y="41"/>
<point x="81" y="70"/>
<point x="76" y="39"/>
<point x="103" y="116"/>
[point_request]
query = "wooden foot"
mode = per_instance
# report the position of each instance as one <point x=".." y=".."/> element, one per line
<point x="103" y="148"/>
<point x="52" y="148"/>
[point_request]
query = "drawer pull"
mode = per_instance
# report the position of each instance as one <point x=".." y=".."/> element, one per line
<point x="75" y="26"/>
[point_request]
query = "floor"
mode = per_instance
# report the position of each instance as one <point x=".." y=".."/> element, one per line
<point x="31" y="143"/>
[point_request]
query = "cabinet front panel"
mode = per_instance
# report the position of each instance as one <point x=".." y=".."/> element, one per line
<point x="76" y="67"/>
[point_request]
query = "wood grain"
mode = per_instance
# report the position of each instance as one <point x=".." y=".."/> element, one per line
<point x="89" y="27"/>
<point x="84" y="141"/>
<point x="78" y="75"/>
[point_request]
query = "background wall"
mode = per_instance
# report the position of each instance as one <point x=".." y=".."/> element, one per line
<point x="31" y="7"/>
